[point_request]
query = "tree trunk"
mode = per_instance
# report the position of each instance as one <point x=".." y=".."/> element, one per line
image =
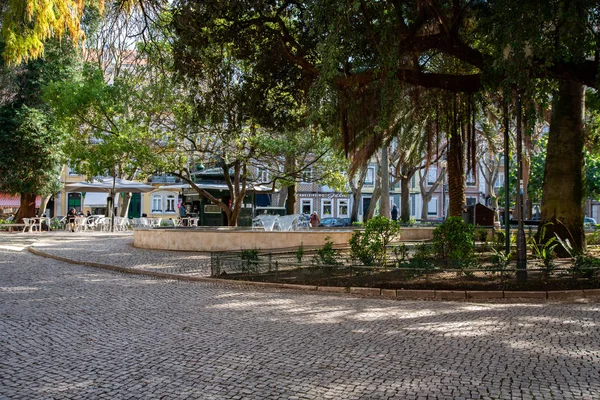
<point x="526" y="171"/>
<point x="356" y="192"/>
<point x="456" y="174"/>
<point x="43" y="205"/>
<point x="126" y="200"/>
<point x="27" y="207"/>
<point x="384" y="207"/>
<point x="563" y="191"/>
<point x="426" y="198"/>
<point x="282" y="197"/>
<point x="290" y="207"/>
<point x="405" y="198"/>
<point x="374" y="197"/>
<point x="426" y="195"/>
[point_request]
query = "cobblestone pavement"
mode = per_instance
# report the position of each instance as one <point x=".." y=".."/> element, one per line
<point x="75" y="332"/>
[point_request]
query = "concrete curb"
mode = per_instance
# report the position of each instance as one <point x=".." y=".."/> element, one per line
<point x="409" y="294"/>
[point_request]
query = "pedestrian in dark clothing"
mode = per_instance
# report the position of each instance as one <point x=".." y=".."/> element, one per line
<point x="394" y="213"/>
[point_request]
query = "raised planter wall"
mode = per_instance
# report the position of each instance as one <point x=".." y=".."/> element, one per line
<point x="231" y="239"/>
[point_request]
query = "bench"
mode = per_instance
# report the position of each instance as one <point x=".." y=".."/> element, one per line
<point x="11" y="226"/>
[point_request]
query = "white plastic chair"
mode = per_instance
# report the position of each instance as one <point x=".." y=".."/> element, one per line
<point x="121" y="224"/>
<point x="81" y="224"/>
<point x="30" y="225"/>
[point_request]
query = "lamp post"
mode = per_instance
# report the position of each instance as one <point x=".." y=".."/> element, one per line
<point x="112" y="201"/>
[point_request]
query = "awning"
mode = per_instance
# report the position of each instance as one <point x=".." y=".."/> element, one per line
<point x="217" y="186"/>
<point x="106" y="185"/>
<point x="92" y="199"/>
<point x="6" y="200"/>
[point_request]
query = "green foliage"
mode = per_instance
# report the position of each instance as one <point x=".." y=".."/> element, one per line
<point x="250" y="254"/>
<point x="544" y="251"/>
<point x="327" y="255"/>
<point x="454" y="241"/>
<point x="401" y="253"/>
<point x="300" y="253"/>
<point x="370" y="246"/>
<point x="583" y="265"/>
<point x="423" y="257"/>
<point x="481" y="234"/>
<point x="499" y="238"/>
<point x="593" y="238"/>
<point x="500" y="258"/>
<point x="30" y="143"/>
<point x="250" y="258"/>
<point x="30" y="161"/>
<point x="586" y="266"/>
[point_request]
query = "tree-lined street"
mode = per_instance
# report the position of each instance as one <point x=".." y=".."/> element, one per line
<point x="71" y="331"/>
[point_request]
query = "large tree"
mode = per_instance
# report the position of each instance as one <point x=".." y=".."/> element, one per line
<point x="356" y="53"/>
<point x="30" y="151"/>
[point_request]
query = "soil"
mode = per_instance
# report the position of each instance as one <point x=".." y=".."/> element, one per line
<point x="560" y="279"/>
<point x="399" y="280"/>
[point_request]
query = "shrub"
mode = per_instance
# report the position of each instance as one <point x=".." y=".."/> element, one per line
<point x="499" y="240"/>
<point x="544" y="251"/>
<point x="453" y="241"/>
<point x="327" y="255"/>
<point x="423" y="257"/>
<point x="250" y="261"/>
<point x="401" y="253"/>
<point x="481" y="234"/>
<point x="586" y="266"/>
<point x="370" y="246"/>
<point x="300" y="253"/>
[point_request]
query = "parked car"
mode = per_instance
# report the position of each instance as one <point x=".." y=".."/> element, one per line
<point x="334" y="222"/>
<point x="589" y="222"/>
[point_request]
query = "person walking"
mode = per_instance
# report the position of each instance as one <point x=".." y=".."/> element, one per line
<point x="71" y="219"/>
<point x="394" y="213"/>
<point x="314" y="220"/>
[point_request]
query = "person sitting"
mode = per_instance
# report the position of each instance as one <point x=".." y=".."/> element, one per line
<point x="182" y="214"/>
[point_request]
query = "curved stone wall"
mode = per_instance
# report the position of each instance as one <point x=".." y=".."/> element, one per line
<point x="228" y="239"/>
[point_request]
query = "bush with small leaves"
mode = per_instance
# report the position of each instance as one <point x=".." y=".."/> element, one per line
<point x="454" y="242"/>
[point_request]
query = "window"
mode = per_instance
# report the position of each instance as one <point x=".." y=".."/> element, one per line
<point x="342" y="208"/>
<point x="306" y="206"/>
<point x="432" y="206"/>
<point x="431" y="175"/>
<point x="327" y="208"/>
<point x="413" y="182"/>
<point x="499" y="180"/>
<point x="72" y="172"/>
<point x="212" y="209"/>
<point x="170" y="203"/>
<point x="471" y="179"/>
<point x="370" y="176"/>
<point x="264" y="176"/>
<point x="157" y="203"/>
<point x="307" y="175"/>
<point x="471" y="201"/>
<point x="413" y="205"/>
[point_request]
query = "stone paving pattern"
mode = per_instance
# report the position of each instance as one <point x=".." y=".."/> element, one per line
<point x="76" y="332"/>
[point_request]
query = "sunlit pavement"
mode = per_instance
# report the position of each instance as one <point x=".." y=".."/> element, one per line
<point x="69" y="331"/>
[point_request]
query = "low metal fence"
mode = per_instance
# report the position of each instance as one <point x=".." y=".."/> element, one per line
<point x="252" y="263"/>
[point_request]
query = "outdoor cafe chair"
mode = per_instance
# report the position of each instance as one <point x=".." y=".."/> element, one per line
<point x="121" y="224"/>
<point x="81" y="224"/>
<point x="30" y="225"/>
